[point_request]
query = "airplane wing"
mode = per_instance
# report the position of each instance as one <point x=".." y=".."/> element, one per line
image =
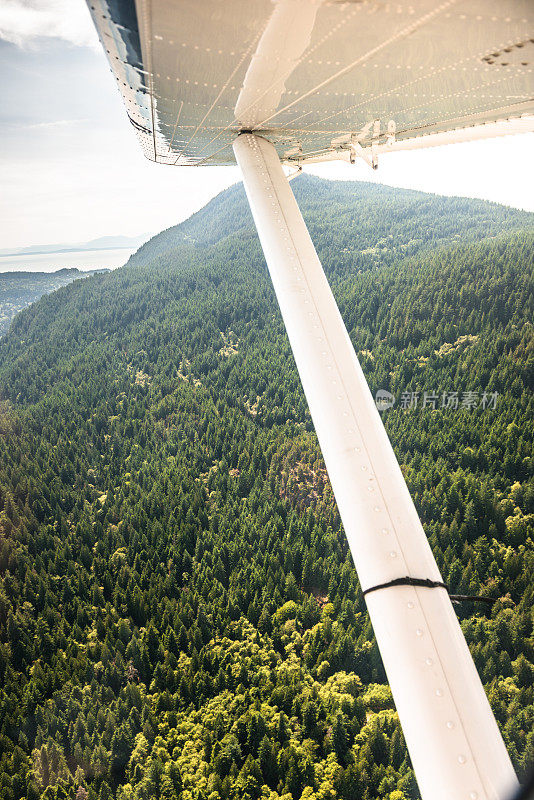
<point x="317" y="77"/>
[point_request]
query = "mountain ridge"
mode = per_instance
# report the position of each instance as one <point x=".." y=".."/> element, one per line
<point x="310" y="191"/>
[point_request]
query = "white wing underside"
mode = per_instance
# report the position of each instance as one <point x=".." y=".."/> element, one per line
<point x="313" y="77"/>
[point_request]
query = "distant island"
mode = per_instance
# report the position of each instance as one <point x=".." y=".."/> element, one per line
<point x="102" y="243"/>
<point x="21" y="289"/>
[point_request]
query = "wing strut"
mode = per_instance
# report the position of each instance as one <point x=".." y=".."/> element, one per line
<point x="453" y="739"/>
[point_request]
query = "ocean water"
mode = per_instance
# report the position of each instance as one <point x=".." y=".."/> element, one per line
<point x="51" y="262"/>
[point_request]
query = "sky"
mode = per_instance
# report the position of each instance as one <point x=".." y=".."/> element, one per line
<point x="71" y="169"/>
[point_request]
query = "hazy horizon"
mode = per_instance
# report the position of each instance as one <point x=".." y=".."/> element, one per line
<point x="79" y="256"/>
<point x="83" y="260"/>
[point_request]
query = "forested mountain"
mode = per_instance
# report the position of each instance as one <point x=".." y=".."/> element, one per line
<point x="20" y="289"/>
<point x="179" y="613"/>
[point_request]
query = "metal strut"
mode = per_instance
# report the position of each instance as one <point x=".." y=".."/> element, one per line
<point x="453" y="739"/>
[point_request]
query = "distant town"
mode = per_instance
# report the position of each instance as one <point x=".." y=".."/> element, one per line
<point x="20" y="289"/>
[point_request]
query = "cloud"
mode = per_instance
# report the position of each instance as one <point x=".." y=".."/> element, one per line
<point x="23" y="22"/>
<point x="54" y="124"/>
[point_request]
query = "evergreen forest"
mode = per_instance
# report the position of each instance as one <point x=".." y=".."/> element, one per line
<point x="180" y="618"/>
